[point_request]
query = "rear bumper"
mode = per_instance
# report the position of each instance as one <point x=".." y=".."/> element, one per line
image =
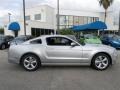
<point x="14" y="61"/>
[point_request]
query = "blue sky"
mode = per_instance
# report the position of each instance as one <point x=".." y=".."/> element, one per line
<point x="15" y="6"/>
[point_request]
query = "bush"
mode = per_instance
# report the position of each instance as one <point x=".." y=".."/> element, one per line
<point x="1" y="30"/>
<point x="66" y="32"/>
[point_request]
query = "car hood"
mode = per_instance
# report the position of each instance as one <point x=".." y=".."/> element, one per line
<point x="14" y="42"/>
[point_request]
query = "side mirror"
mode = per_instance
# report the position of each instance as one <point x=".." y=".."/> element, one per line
<point x="73" y="44"/>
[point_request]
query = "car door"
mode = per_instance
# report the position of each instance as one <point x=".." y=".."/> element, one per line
<point x="59" y="50"/>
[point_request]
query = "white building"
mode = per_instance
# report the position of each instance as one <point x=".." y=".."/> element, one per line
<point x="42" y="20"/>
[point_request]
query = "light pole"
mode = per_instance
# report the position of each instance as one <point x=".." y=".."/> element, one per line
<point x="9" y="14"/>
<point x="119" y="24"/>
<point x="58" y="17"/>
<point x="24" y="17"/>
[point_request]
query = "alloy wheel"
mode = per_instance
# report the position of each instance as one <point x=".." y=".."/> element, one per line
<point x="30" y="63"/>
<point x="101" y="62"/>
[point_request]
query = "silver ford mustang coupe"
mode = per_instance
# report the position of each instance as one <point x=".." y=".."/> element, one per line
<point x="60" y="50"/>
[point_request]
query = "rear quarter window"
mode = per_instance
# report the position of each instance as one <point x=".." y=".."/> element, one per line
<point x="38" y="41"/>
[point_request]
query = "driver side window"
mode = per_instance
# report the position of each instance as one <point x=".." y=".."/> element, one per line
<point x="58" y="41"/>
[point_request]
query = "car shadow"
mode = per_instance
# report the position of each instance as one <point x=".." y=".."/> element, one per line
<point x="51" y="68"/>
<point x="18" y="68"/>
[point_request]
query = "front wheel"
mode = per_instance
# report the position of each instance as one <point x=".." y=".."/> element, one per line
<point x="30" y="62"/>
<point x="100" y="61"/>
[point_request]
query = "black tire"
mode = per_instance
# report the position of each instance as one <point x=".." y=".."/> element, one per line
<point x="100" y="64"/>
<point x="34" y="59"/>
<point x="3" y="46"/>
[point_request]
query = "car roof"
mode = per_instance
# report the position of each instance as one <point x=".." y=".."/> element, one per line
<point x="46" y="36"/>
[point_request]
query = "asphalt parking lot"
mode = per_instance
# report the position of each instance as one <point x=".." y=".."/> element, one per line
<point x="13" y="77"/>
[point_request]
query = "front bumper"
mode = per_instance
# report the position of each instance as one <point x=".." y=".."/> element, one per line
<point x="114" y="57"/>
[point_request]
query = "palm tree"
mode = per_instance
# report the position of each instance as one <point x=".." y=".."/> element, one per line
<point x="105" y="4"/>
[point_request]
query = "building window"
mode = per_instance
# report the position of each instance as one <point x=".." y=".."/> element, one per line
<point x="27" y="17"/>
<point x="76" y="20"/>
<point x="70" y="22"/>
<point x="36" y="32"/>
<point x="89" y="19"/>
<point x="37" y="16"/>
<point x="62" y="20"/>
<point x="96" y="19"/>
<point x="85" y="20"/>
<point x="81" y="20"/>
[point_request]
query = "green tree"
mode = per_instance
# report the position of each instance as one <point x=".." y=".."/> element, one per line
<point x="106" y="4"/>
<point x="1" y="30"/>
<point x="66" y="32"/>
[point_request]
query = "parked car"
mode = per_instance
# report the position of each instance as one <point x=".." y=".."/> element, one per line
<point x="91" y="39"/>
<point x="4" y="41"/>
<point x="61" y="50"/>
<point x="21" y="39"/>
<point x="111" y="40"/>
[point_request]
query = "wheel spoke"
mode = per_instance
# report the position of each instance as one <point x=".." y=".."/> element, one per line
<point x="32" y="66"/>
<point x="99" y="65"/>
<point x="105" y="59"/>
<point x="105" y="64"/>
<point x="27" y="66"/>
<point x="30" y="58"/>
<point x="26" y="61"/>
<point x="100" y="57"/>
<point x="97" y="61"/>
<point x="33" y="62"/>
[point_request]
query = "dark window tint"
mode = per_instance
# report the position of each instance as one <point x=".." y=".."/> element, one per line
<point x="29" y="37"/>
<point x="58" y="41"/>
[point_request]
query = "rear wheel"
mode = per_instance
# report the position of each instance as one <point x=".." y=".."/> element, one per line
<point x="101" y="61"/>
<point x="30" y="62"/>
